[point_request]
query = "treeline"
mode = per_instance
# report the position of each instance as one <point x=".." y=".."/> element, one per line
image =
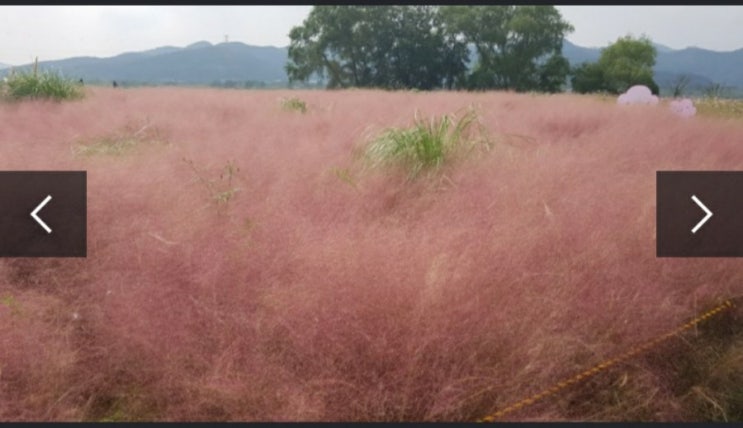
<point x="457" y="47"/>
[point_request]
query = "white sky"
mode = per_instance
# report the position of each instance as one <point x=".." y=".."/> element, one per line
<point x="56" y="32"/>
<point x="718" y="28"/>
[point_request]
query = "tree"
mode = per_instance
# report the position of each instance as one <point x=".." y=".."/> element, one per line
<point x="588" y="77"/>
<point x="423" y="55"/>
<point x="679" y="85"/>
<point x="648" y="81"/>
<point x="714" y="90"/>
<point x="628" y="62"/>
<point x="375" y="46"/>
<point x="518" y="47"/>
<point x="553" y="73"/>
<point x="334" y="42"/>
<point x="623" y="64"/>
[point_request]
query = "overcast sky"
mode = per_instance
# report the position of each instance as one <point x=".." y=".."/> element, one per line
<point x="56" y="32"/>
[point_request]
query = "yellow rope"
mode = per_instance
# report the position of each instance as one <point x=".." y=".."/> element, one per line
<point x="606" y="364"/>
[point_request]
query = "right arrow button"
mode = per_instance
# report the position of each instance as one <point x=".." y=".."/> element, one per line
<point x="706" y="210"/>
<point x="686" y="228"/>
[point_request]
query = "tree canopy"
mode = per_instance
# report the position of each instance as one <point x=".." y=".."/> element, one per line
<point x="624" y="63"/>
<point x="375" y="46"/>
<point x="427" y="47"/>
<point x="518" y="47"/>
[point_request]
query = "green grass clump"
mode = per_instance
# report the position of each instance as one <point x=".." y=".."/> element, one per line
<point x="428" y="144"/>
<point x="294" y="104"/>
<point x="45" y="85"/>
<point x="122" y="142"/>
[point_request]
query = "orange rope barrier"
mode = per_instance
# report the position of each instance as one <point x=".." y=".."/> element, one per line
<point x="606" y="364"/>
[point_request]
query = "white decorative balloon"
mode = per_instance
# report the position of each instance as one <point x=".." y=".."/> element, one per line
<point x="638" y="94"/>
<point x="683" y="107"/>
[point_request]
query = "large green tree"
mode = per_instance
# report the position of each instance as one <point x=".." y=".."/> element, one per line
<point x="375" y="46"/>
<point x="423" y="54"/>
<point x="627" y="62"/>
<point x="334" y="42"/>
<point x="518" y="47"/>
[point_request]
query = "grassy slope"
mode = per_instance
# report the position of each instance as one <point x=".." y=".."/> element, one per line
<point x="288" y="291"/>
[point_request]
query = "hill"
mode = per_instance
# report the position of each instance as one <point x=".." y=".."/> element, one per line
<point x="198" y="63"/>
<point x="235" y="62"/>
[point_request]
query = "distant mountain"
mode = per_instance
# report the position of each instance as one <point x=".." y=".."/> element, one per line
<point x="198" y="45"/>
<point x="720" y="67"/>
<point x="198" y="63"/>
<point x="577" y="54"/>
<point x="4" y="66"/>
<point x="205" y="63"/>
<point x="661" y="48"/>
<point x="695" y="82"/>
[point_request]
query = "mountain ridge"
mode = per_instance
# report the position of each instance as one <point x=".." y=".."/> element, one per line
<point x="197" y="63"/>
<point x="205" y="63"/>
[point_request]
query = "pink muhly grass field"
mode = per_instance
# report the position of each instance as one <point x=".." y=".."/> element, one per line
<point x="308" y="297"/>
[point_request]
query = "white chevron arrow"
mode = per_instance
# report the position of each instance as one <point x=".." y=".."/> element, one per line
<point x="37" y="209"/>
<point x="706" y="210"/>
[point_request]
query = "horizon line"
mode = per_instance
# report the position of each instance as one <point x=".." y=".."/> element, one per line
<point x="8" y="65"/>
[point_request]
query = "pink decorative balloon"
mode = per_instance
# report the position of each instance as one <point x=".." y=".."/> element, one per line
<point x="683" y="107"/>
<point x="638" y="94"/>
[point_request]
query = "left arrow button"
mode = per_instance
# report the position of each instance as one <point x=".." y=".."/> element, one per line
<point x="36" y="211"/>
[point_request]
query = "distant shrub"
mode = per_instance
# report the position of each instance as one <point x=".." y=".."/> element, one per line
<point x="679" y="85"/>
<point x="715" y="91"/>
<point x="294" y="104"/>
<point x="428" y="143"/>
<point x="46" y="85"/>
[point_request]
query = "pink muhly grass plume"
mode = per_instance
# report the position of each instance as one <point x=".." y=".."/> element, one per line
<point x="252" y="267"/>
